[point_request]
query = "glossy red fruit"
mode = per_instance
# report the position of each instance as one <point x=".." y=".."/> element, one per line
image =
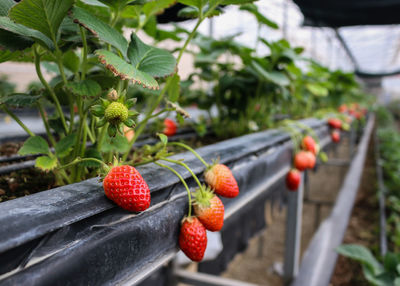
<point x="169" y="127"/>
<point x="335" y="136"/>
<point x="293" y="179"/>
<point x="301" y="160"/>
<point x="308" y="144"/>
<point x="343" y="108"/>
<point x="311" y="160"/>
<point x="335" y="123"/>
<point x="220" y="178"/>
<point x="126" y="187"/>
<point x="209" y="209"/>
<point x="193" y="238"/>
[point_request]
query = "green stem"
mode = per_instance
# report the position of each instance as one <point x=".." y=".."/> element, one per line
<point x="191" y="150"/>
<point x="101" y="137"/>
<point x="46" y="124"/>
<point x="187" y="168"/>
<point x="183" y="182"/>
<point x="49" y="89"/>
<point x="79" y="160"/>
<point x="13" y="116"/>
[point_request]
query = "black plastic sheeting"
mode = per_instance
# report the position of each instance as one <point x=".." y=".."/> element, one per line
<point x="73" y="235"/>
<point x="339" y="13"/>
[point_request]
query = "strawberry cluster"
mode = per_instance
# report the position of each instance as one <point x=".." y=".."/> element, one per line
<point x="208" y="209"/>
<point x="336" y="125"/>
<point x="304" y="159"/>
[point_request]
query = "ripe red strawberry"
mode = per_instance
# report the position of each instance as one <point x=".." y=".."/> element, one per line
<point x="125" y="186"/>
<point x="311" y="160"/>
<point x="301" y="160"/>
<point x="293" y="180"/>
<point x="169" y="127"/>
<point x="343" y="108"/>
<point x="209" y="209"/>
<point x="335" y="136"/>
<point x="193" y="238"/>
<point x="220" y="178"/>
<point x="335" y="123"/>
<point x="308" y="144"/>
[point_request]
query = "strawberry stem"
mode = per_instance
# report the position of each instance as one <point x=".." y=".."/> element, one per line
<point x="191" y="150"/>
<point x="79" y="160"/>
<point x="183" y="182"/>
<point x="187" y="168"/>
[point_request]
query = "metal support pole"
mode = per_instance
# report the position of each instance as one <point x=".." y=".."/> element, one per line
<point x="306" y="185"/>
<point x="284" y="20"/>
<point x="293" y="233"/>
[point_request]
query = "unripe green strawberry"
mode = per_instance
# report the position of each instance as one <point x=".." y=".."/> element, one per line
<point x="116" y="113"/>
<point x="126" y="187"/>
<point x="193" y="238"/>
<point x="220" y="178"/>
<point x="209" y="209"/>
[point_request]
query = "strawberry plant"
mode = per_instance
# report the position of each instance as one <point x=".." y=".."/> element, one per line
<point x="98" y="75"/>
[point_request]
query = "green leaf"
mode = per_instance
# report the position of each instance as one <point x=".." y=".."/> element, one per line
<point x="189" y="12"/>
<point x="71" y="61"/>
<point x="276" y="77"/>
<point x="156" y="7"/>
<point x="17" y="30"/>
<point x="100" y="29"/>
<point x="260" y="17"/>
<point x="46" y="163"/>
<point x="34" y="145"/>
<point x="117" y="144"/>
<point x="124" y="70"/>
<point x="174" y="88"/>
<point x="154" y="61"/>
<point x="64" y="146"/>
<point x="92" y="153"/>
<point x="235" y="2"/>
<point x="397" y="281"/>
<point x="163" y="138"/>
<point x="5" y="6"/>
<point x="194" y="3"/>
<point x="6" y="55"/>
<point x="18" y="100"/>
<point x="86" y="87"/>
<point x="390" y="262"/>
<point x="316" y="89"/>
<point x="41" y="15"/>
<point x="361" y="254"/>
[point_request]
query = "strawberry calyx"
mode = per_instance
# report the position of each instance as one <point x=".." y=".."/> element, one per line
<point x="203" y="197"/>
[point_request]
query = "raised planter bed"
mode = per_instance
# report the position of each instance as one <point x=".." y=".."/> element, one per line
<point x="74" y="236"/>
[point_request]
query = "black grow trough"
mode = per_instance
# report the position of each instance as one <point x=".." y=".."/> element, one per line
<point x="73" y="235"/>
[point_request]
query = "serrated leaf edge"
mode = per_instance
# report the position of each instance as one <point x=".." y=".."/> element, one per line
<point x="111" y="68"/>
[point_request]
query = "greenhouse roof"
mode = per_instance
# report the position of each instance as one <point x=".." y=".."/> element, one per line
<point x="339" y="13"/>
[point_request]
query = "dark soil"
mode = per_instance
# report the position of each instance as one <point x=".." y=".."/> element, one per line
<point x="10" y="148"/>
<point x="24" y="182"/>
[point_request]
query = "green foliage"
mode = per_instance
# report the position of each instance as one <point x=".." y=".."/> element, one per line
<point x="44" y="16"/>
<point x="376" y="273"/>
<point x="34" y="145"/>
<point x="46" y="163"/>
<point x="153" y="61"/>
<point x="85" y="88"/>
<point x="100" y="29"/>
